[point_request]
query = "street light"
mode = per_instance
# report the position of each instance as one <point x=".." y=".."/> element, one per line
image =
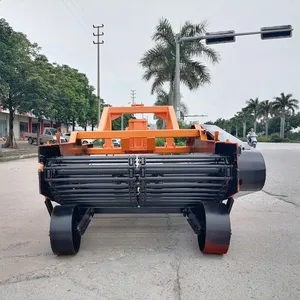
<point x="284" y="31"/>
<point x="194" y="116"/>
<point x="275" y="32"/>
<point x="220" y="37"/>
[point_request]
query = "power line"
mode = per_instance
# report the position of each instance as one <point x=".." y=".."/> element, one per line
<point x="63" y="1"/>
<point x="98" y="43"/>
<point x="84" y="17"/>
<point x="106" y="58"/>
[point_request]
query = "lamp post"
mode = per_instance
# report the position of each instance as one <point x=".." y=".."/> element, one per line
<point x="195" y="116"/>
<point x="284" y="31"/>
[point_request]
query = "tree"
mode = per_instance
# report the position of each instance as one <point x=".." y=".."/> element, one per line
<point x="253" y="108"/>
<point x="117" y="125"/>
<point x="159" y="62"/>
<point x="244" y="116"/>
<point x="71" y="96"/>
<point x="222" y="123"/>
<point x="39" y="93"/>
<point x="283" y="105"/>
<point x="16" y="53"/>
<point x="236" y="120"/>
<point x="162" y="99"/>
<point x="294" y="121"/>
<point x="93" y="111"/>
<point x="264" y="110"/>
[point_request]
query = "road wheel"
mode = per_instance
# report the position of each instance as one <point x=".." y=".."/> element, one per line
<point x="215" y="234"/>
<point x="30" y="141"/>
<point x="64" y="236"/>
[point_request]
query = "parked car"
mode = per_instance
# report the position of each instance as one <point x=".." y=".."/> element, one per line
<point x="116" y="142"/>
<point x="85" y="141"/>
<point x="48" y="135"/>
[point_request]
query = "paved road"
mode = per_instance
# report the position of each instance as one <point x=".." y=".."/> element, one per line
<point x="154" y="257"/>
<point x="283" y="163"/>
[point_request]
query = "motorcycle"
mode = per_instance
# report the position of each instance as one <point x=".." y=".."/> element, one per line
<point x="252" y="141"/>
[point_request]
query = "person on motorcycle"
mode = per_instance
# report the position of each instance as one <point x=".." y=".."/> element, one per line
<point x="251" y="133"/>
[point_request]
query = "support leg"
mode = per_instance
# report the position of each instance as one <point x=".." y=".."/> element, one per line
<point x="229" y="204"/>
<point x="85" y="221"/>
<point x="49" y="206"/>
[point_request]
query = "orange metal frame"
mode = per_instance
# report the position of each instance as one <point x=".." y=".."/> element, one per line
<point x="138" y="137"/>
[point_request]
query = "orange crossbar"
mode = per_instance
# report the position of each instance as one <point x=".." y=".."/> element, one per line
<point x="138" y="137"/>
<point x="137" y="134"/>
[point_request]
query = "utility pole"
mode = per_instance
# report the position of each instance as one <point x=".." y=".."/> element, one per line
<point x="133" y="96"/>
<point x="98" y="43"/>
<point x="176" y="101"/>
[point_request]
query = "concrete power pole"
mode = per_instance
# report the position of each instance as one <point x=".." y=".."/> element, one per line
<point x="98" y="43"/>
<point x="133" y="96"/>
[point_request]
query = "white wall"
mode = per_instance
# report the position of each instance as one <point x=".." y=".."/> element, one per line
<point x="17" y="127"/>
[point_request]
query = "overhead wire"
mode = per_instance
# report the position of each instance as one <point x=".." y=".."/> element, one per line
<point x="63" y="1"/>
<point x="84" y="17"/>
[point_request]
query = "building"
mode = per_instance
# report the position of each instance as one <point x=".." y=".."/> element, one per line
<point x="24" y="123"/>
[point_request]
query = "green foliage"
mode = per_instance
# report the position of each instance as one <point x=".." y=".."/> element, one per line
<point x="264" y="139"/>
<point x="98" y="143"/>
<point x="293" y="136"/>
<point x="71" y="96"/>
<point x="16" y="54"/>
<point x="271" y="118"/>
<point x="30" y="83"/>
<point x="162" y="99"/>
<point x="116" y="124"/>
<point x="275" y="138"/>
<point x="160" y="142"/>
<point x="159" y="62"/>
<point x="283" y="106"/>
<point x="181" y="141"/>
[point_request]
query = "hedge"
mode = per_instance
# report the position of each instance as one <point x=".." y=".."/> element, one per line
<point x="275" y="138"/>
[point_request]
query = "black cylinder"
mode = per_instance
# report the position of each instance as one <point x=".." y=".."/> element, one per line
<point x="252" y="172"/>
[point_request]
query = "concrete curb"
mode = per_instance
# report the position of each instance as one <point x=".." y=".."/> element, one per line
<point x="16" y="157"/>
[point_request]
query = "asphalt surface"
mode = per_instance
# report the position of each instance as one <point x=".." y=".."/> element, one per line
<point x="154" y="257"/>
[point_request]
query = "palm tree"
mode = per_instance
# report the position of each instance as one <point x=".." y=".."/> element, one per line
<point x="159" y="62"/>
<point x="163" y="99"/>
<point x="265" y="110"/>
<point x="244" y="116"/>
<point x="282" y="106"/>
<point x="236" y="120"/>
<point x="253" y="106"/>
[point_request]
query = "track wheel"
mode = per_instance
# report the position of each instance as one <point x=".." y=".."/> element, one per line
<point x="215" y="234"/>
<point x="64" y="236"/>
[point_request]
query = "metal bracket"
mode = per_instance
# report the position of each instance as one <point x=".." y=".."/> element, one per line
<point x="85" y="221"/>
<point x="49" y="206"/>
<point x="229" y="204"/>
<point x="194" y="218"/>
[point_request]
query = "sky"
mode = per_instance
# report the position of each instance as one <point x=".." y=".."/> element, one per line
<point x="248" y="68"/>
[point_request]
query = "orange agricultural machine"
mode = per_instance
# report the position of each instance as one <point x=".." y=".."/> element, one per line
<point x="198" y="180"/>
